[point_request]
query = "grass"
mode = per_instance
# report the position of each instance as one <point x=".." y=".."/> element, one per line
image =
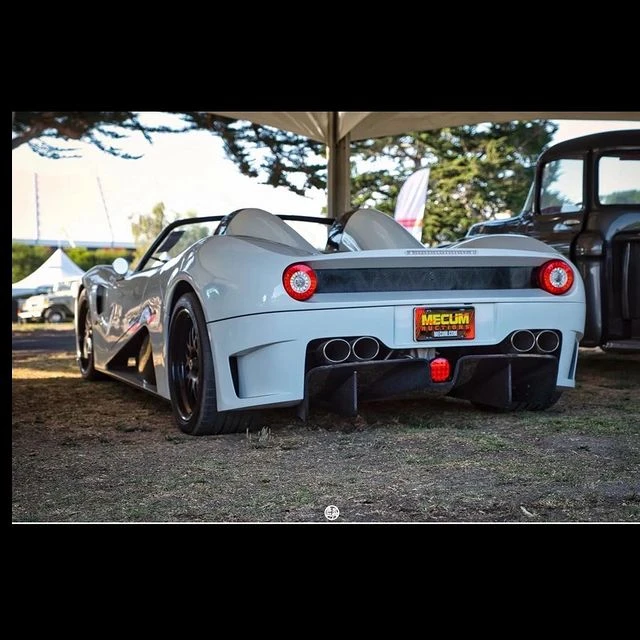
<point x="100" y="452"/>
<point x="35" y="367"/>
<point x="39" y="327"/>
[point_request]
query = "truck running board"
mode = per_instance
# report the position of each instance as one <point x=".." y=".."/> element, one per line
<point x="622" y="345"/>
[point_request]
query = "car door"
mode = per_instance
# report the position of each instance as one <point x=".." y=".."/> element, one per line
<point x="119" y="302"/>
<point x="560" y="203"/>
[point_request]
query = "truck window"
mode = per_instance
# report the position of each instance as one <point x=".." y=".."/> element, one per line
<point x="562" y="186"/>
<point x="619" y="178"/>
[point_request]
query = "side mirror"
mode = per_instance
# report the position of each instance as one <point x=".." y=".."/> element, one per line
<point x="120" y="266"/>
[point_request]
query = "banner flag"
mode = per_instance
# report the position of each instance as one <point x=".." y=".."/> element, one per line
<point x="411" y="202"/>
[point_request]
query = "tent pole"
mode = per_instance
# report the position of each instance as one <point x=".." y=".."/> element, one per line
<point x="339" y="183"/>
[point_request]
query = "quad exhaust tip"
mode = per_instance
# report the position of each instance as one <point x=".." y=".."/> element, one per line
<point x="544" y="341"/>
<point x="547" y="341"/>
<point x="365" y="348"/>
<point x="335" y="351"/>
<point x="523" y="341"/>
<point x="339" y="350"/>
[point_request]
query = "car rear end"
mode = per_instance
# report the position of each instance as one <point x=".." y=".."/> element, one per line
<point x="497" y="327"/>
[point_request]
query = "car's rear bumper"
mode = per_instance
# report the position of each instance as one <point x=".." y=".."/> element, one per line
<point x="259" y="360"/>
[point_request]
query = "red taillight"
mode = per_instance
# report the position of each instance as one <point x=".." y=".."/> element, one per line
<point x="300" y="281"/>
<point x="555" y="277"/>
<point x="440" y="369"/>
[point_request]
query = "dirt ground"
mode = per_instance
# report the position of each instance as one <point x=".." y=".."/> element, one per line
<point x="103" y="452"/>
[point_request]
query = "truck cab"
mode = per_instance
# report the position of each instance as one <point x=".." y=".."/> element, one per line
<point x="585" y="202"/>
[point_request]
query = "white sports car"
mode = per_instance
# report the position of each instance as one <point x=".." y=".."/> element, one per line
<point x="226" y="315"/>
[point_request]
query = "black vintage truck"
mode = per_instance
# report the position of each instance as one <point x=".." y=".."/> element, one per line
<point x="585" y="202"/>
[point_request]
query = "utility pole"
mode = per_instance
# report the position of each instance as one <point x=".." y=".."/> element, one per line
<point x="106" y="211"/>
<point x="35" y="177"/>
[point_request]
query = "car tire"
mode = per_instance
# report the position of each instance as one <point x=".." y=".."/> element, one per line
<point x="84" y="340"/>
<point x="541" y="405"/>
<point x="191" y="375"/>
<point x="54" y="316"/>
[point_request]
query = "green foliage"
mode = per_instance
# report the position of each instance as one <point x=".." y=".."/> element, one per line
<point x="475" y="172"/>
<point x="87" y="258"/>
<point x="42" y="130"/>
<point x="26" y="259"/>
<point x="283" y="159"/>
<point x="631" y="196"/>
<point x="279" y="157"/>
<point x="147" y="227"/>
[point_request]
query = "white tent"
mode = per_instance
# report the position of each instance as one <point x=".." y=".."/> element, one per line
<point x="337" y="128"/>
<point x="59" y="267"/>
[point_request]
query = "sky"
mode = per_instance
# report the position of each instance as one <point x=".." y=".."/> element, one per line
<point x="95" y="197"/>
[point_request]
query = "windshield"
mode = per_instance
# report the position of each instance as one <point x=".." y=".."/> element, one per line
<point x="251" y="223"/>
<point x="66" y="286"/>
<point x="182" y="236"/>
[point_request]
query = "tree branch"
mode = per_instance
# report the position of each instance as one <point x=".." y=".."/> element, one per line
<point x="30" y="134"/>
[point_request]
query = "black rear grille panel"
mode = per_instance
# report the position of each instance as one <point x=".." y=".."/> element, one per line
<point x="424" y="279"/>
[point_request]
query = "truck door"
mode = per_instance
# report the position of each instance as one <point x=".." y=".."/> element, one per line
<point x="616" y="215"/>
<point x="559" y="204"/>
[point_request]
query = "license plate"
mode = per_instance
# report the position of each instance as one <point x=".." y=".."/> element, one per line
<point x="444" y="323"/>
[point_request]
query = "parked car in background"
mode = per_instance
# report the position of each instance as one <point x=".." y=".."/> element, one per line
<point x="585" y="202"/>
<point x="55" y="306"/>
<point x="17" y="301"/>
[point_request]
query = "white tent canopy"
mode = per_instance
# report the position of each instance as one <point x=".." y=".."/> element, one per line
<point x="361" y="125"/>
<point x="337" y="128"/>
<point x="58" y="267"/>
